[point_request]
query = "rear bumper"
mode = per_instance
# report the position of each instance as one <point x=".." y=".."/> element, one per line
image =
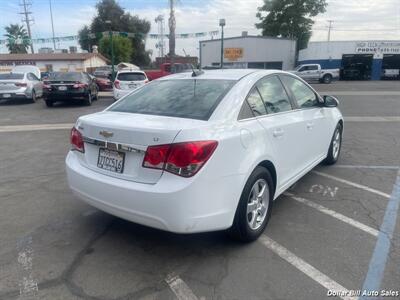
<point x="21" y="94"/>
<point x="181" y="205"/>
<point x="65" y="95"/>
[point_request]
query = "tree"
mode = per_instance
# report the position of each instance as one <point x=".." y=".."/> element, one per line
<point x="290" y="19"/>
<point x="122" y="48"/>
<point x="120" y="21"/>
<point x="18" y="40"/>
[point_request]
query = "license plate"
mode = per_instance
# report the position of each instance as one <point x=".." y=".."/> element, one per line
<point x="6" y="95"/>
<point x="111" y="160"/>
<point x="62" y="88"/>
<point x="132" y="86"/>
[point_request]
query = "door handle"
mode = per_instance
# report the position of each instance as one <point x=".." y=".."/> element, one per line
<point x="310" y="125"/>
<point x="278" y="132"/>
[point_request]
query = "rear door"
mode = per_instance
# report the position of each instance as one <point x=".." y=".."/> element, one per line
<point x="315" y="138"/>
<point x="313" y="72"/>
<point x="282" y="126"/>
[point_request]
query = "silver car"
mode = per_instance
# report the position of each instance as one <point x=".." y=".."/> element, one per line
<point x="20" y="86"/>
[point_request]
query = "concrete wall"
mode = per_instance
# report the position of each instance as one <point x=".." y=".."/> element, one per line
<point x="255" y="49"/>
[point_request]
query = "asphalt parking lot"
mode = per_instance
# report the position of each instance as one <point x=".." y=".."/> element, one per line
<point x="335" y="230"/>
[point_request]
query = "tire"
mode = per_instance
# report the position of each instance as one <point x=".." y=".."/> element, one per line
<point x="250" y="223"/>
<point x="33" y="99"/>
<point x="96" y="96"/>
<point x="327" y="79"/>
<point x="335" y="146"/>
<point x="88" y="100"/>
<point x="49" y="103"/>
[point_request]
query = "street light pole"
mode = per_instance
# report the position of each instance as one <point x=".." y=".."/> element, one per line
<point x="222" y="24"/>
<point x="112" y="50"/>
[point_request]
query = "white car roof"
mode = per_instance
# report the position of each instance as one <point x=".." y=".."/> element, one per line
<point x="130" y="71"/>
<point x="228" y="74"/>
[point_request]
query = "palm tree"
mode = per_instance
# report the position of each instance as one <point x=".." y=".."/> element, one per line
<point x="18" y="40"/>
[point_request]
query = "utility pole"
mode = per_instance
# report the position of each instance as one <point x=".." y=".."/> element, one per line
<point x="172" y="25"/>
<point x="329" y="29"/>
<point x="52" y="26"/>
<point x="27" y="19"/>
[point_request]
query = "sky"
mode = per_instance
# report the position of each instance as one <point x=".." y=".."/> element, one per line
<point x="352" y="19"/>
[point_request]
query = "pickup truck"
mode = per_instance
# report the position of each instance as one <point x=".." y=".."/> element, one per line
<point x="313" y="72"/>
<point x="165" y="69"/>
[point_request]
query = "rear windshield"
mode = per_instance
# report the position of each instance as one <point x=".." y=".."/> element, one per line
<point x="131" y="77"/>
<point x="65" y="76"/>
<point x="184" y="98"/>
<point x="7" y="76"/>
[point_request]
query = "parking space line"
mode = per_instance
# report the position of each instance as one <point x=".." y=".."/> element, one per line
<point x="334" y="214"/>
<point x="305" y="267"/>
<point x="366" y="167"/>
<point x="180" y="288"/>
<point x="372" y="119"/>
<point x="35" y="127"/>
<point x="378" y="261"/>
<point x="357" y="185"/>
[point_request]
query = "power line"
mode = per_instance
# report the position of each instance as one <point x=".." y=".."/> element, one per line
<point x="27" y="18"/>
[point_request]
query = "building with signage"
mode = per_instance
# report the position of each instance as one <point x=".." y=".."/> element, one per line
<point x="248" y="51"/>
<point x="356" y="59"/>
<point x="53" y="62"/>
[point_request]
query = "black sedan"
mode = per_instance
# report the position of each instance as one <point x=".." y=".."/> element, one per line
<point x="66" y="86"/>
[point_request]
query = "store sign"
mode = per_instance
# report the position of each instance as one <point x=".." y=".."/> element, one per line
<point x="233" y="54"/>
<point x="17" y="62"/>
<point x="378" y="47"/>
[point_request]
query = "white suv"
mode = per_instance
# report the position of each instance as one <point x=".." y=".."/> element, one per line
<point x="127" y="81"/>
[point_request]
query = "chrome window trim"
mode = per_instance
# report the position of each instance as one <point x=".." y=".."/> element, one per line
<point x="115" y="146"/>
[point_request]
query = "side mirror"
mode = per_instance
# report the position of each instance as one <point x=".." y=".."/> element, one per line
<point x="330" y="101"/>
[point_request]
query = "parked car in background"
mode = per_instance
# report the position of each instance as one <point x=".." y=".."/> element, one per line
<point x="103" y="71"/>
<point x="314" y="72"/>
<point x="391" y="73"/>
<point x="204" y="151"/>
<point x="127" y="81"/>
<point x="21" y="86"/>
<point x="104" y="83"/>
<point x="67" y="86"/>
<point x="165" y="69"/>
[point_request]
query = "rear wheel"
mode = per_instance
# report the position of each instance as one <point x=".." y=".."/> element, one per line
<point x="335" y="146"/>
<point x="96" y="95"/>
<point x="49" y="102"/>
<point x="327" y="78"/>
<point x="33" y="99"/>
<point x="88" y="100"/>
<point x="254" y="208"/>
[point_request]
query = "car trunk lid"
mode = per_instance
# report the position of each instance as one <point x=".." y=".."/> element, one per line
<point x="125" y="137"/>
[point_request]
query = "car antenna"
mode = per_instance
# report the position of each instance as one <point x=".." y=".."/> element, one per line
<point x="194" y="72"/>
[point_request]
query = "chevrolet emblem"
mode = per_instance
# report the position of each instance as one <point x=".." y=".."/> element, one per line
<point x="106" y="134"/>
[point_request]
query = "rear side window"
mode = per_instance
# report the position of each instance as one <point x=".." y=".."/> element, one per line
<point x="11" y="76"/>
<point x="131" y="77"/>
<point x="256" y="103"/>
<point x="184" y="98"/>
<point x="274" y="95"/>
<point x="303" y="95"/>
<point x="66" y="76"/>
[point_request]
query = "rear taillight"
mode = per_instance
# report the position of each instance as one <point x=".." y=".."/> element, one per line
<point x="21" y="84"/>
<point x="116" y="84"/>
<point x="77" y="140"/>
<point x="80" y="85"/>
<point x="46" y="85"/>
<point x="183" y="159"/>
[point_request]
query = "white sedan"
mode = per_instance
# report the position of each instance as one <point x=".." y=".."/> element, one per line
<point x="203" y="151"/>
<point x="128" y="80"/>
